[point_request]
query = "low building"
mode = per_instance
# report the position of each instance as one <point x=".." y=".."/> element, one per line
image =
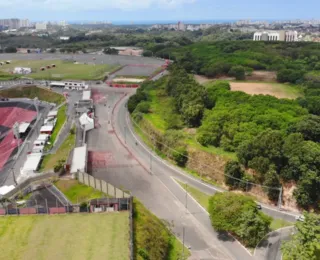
<point x="43" y="137"/>
<point x="38" y="149"/>
<point x="46" y="129"/>
<point x="79" y="159"/>
<point x="30" y="166"/>
<point x="53" y="114"/>
<point x="72" y="85"/>
<point x="64" y="38"/>
<point x="41" y="26"/>
<point x="21" y="70"/>
<point x="86" y="122"/>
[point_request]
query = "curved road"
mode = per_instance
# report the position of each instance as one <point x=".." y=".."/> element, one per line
<point x="168" y="200"/>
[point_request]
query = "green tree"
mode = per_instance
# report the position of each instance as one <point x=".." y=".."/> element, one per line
<point x="180" y="156"/>
<point x="271" y="180"/>
<point x="309" y="127"/>
<point x="239" y="215"/>
<point x="233" y="173"/>
<point x="305" y="243"/>
<point x="143" y="107"/>
<point x="10" y="49"/>
<point x="238" y="72"/>
<point x="253" y="227"/>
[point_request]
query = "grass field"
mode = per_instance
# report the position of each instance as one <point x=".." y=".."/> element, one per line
<point x="50" y="160"/>
<point x="273" y="89"/>
<point x="77" y="192"/>
<point x="201" y="197"/>
<point x="63" y="70"/>
<point x="32" y="92"/>
<point x="64" y="237"/>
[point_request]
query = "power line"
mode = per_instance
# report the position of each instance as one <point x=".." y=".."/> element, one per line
<point x="208" y="166"/>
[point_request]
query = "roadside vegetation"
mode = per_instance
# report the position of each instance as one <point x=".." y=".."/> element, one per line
<point x="57" y="160"/>
<point x="8" y="76"/>
<point x="61" y="119"/>
<point x="238" y="214"/>
<point x="77" y="192"/>
<point x="152" y="237"/>
<point x="265" y="140"/>
<point x="305" y="243"/>
<point x="65" y="236"/>
<point x="33" y="92"/>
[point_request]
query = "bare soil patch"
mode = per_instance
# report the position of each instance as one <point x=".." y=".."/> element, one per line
<point x="262" y="76"/>
<point x="273" y="89"/>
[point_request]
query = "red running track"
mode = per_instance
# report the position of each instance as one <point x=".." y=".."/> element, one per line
<point x="8" y="116"/>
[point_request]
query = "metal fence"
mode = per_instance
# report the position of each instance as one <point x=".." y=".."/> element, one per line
<point x="101" y="185"/>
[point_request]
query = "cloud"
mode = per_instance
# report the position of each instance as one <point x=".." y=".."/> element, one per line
<point x="91" y="5"/>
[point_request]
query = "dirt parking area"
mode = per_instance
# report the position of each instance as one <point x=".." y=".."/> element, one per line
<point x="132" y="70"/>
<point x="273" y="89"/>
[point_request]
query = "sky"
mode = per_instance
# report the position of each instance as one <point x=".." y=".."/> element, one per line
<point x="158" y="10"/>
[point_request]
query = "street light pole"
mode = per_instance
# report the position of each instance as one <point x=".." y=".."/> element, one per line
<point x="125" y="135"/>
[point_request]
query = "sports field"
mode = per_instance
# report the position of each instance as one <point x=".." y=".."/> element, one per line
<point x="64" y="237"/>
<point x="63" y="69"/>
<point x="273" y="89"/>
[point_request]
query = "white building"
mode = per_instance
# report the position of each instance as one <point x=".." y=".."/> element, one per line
<point x="64" y="38"/>
<point x="79" y="159"/>
<point x="41" y="26"/>
<point x="288" y="36"/>
<point x="21" y="70"/>
<point x="30" y="166"/>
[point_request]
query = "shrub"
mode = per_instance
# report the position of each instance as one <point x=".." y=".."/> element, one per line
<point x="238" y="72"/>
<point x="180" y="156"/>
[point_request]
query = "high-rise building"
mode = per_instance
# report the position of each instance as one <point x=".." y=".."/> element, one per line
<point x="25" y="23"/>
<point x="181" y="26"/>
<point x="10" y="23"/>
<point x="41" y="26"/>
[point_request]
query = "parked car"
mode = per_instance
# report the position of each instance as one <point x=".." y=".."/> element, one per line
<point x="300" y="218"/>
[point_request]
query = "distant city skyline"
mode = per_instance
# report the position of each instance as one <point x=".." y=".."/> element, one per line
<point x="158" y="10"/>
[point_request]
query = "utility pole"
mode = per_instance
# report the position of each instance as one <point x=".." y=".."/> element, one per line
<point x="14" y="176"/>
<point x="186" y="204"/>
<point x="125" y="135"/>
<point x="183" y="232"/>
<point x="280" y="198"/>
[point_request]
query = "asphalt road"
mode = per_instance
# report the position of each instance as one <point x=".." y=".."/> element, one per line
<point x="157" y="190"/>
<point x="166" y="172"/>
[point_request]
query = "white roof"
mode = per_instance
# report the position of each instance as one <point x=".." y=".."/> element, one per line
<point x="56" y="83"/>
<point x="53" y="113"/>
<point x="23" y="127"/>
<point x="85" y="119"/>
<point x="37" y="147"/>
<point x="86" y="95"/>
<point x="5" y="189"/>
<point x="32" y="162"/>
<point x="43" y="137"/>
<point x="79" y="159"/>
<point x="46" y="128"/>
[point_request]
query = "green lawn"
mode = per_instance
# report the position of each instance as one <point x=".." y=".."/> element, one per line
<point x="64" y="237"/>
<point x="32" y="92"/>
<point x="199" y="196"/>
<point x="50" y="160"/>
<point x="279" y="223"/>
<point x="61" y="118"/>
<point x="211" y="149"/>
<point x="63" y="70"/>
<point x="77" y="192"/>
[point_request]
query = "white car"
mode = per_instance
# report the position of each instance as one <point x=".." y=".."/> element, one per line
<point x="300" y="218"/>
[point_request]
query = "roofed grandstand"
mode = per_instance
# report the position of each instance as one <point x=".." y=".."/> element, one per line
<point x="12" y="112"/>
